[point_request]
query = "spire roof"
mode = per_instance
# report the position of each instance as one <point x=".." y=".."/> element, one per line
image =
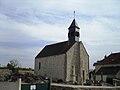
<point x="74" y="24"/>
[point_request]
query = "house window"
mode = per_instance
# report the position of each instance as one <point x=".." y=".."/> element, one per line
<point x="39" y="65"/>
<point x="33" y="87"/>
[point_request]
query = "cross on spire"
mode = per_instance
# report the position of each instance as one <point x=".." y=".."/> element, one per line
<point x="74" y="14"/>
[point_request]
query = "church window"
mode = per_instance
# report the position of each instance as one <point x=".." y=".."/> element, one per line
<point x="39" y="65"/>
<point x="77" y="34"/>
<point x="83" y="75"/>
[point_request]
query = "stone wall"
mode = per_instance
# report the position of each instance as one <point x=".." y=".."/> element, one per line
<point x="72" y="59"/>
<point x="84" y="60"/>
<point x="52" y="66"/>
<point x="78" y="87"/>
<point x="77" y="61"/>
<point x="10" y="85"/>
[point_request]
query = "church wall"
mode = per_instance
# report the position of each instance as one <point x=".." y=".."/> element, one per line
<point x="72" y="60"/>
<point x="52" y="66"/>
<point x="84" y="60"/>
<point x="78" y="57"/>
<point x="70" y="63"/>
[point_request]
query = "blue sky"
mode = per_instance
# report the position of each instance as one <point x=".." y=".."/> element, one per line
<point x="26" y="26"/>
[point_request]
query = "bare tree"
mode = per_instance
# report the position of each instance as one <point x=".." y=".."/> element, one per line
<point x="13" y="64"/>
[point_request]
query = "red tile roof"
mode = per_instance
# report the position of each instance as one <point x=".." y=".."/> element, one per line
<point x="113" y="58"/>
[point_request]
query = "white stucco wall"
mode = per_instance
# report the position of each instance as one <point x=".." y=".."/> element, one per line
<point x="52" y="66"/>
<point x="97" y="67"/>
<point x="98" y="77"/>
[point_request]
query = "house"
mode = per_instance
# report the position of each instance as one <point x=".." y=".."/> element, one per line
<point x="108" y="69"/>
<point x="66" y="61"/>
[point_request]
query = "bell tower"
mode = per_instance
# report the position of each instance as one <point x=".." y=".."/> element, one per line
<point x="73" y="34"/>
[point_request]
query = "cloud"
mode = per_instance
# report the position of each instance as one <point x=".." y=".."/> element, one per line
<point x="24" y="41"/>
<point x="101" y="28"/>
<point x="26" y="26"/>
<point x="101" y="37"/>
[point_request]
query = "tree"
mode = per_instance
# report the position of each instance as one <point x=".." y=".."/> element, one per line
<point x="12" y="65"/>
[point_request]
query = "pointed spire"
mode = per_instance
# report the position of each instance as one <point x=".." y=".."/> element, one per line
<point x="74" y="24"/>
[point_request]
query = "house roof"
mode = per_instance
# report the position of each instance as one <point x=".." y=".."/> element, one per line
<point x="54" y="49"/>
<point x="108" y="70"/>
<point x="113" y="58"/>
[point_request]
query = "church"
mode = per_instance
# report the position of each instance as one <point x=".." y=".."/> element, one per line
<point x="67" y="61"/>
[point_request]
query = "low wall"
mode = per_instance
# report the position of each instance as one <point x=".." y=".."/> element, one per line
<point x="10" y="85"/>
<point x="78" y="87"/>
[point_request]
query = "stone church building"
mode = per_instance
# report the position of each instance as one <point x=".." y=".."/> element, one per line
<point x="67" y="61"/>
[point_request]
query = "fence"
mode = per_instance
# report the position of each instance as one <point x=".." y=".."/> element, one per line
<point x="79" y="87"/>
<point x="42" y="86"/>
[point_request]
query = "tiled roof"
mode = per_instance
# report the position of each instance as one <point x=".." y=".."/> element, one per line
<point x="54" y="49"/>
<point x="113" y="58"/>
<point x="108" y="70"/>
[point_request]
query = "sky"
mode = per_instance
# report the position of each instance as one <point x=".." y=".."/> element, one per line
<point x="26" y="26"/>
